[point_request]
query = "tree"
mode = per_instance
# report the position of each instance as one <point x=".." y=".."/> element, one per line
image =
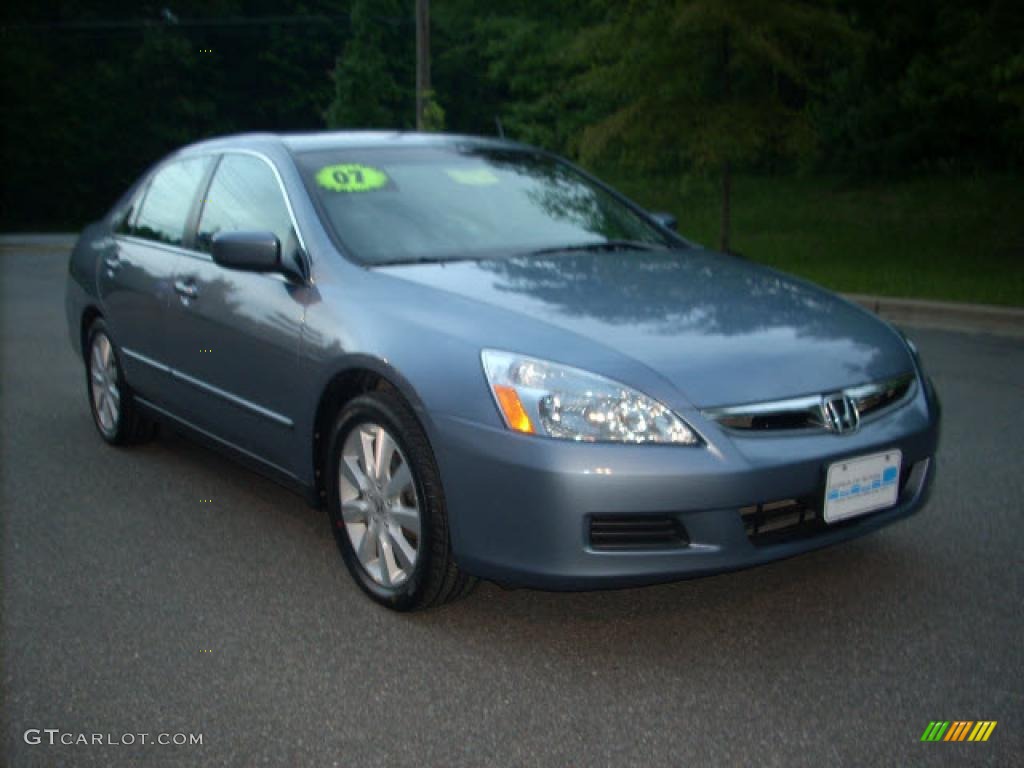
<point x="706" y="84"/>
<point x="525" y="63"/>
<point x="96" y="92"/>
<point x="433" y="113"/>
<point x="941" y="86"/>
<point x="374" y="77"/>
<point x="510" y="62"/>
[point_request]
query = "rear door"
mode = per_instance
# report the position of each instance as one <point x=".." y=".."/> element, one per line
<point x="136" y="278"/>
<point x="234" y="336"/>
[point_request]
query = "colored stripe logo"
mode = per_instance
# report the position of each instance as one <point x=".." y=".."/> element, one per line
<point x="958" y="730"/>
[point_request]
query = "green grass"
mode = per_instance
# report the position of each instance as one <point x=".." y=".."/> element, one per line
<point x="935" y="238"/>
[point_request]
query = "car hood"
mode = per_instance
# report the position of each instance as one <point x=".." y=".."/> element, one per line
<point x="722" y="330"/>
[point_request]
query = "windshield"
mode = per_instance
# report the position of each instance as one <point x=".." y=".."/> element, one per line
<point x="392" y="205"/>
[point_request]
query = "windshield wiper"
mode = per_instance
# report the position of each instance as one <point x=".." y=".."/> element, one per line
<point x="419" y="260"/>
<point x="600" y="246"/>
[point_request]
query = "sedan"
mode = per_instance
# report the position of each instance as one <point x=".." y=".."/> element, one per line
<point x="486" y="364"/>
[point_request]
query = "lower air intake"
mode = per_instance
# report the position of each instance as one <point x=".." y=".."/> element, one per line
<point x="632" y="532"/>
<point x="780" y="520"/>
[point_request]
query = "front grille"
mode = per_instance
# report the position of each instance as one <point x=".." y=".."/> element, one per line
<point x="632" y="532"/>
<point x="808" y="412"/>
<point x="875" y="397"/>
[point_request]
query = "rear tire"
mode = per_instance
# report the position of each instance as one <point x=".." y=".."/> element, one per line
<point x="110" y="401"/>
<point x="387" y="507"/>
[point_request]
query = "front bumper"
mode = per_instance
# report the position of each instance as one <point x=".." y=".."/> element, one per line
<point x="521" y="507"/>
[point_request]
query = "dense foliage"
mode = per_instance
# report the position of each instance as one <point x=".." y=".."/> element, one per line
<point x="93" y="93"/>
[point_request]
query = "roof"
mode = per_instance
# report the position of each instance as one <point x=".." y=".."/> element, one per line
<point x="323" y="140"/>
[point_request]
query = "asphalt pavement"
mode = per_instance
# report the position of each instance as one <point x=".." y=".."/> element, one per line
<point x="131" y="605"/>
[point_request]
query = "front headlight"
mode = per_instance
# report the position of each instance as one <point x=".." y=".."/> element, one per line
<point x="538" y="397"/>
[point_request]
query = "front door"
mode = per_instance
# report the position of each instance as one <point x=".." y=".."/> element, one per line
<point x="234" y="336"/>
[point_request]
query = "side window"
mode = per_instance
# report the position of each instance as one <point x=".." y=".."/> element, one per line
<point x="244" y="196"/>
<point x="124" y="217"/>
<point x="168" y="200"/>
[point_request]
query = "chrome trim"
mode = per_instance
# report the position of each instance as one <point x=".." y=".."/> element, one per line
<point x="199" y="384"/>
<point x="810" y="412"/>
<point x="867" y="390"/>
<point x="143" y="359"/>
<point x="840" y="413"/>
<point x="234" y="399"/>
<point x="796" y="404"/>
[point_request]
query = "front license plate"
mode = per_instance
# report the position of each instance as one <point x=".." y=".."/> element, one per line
<point x="858" y="486"/>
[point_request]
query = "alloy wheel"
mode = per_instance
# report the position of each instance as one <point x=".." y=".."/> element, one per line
<point x="379" y="504"/>
<point x="106" y="397"/>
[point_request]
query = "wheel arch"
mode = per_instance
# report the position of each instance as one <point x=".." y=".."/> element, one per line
<point x="356" y="375"/>
<point x="89" y="316"/>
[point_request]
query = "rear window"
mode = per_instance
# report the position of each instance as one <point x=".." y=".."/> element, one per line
<point x="168" y="200"/>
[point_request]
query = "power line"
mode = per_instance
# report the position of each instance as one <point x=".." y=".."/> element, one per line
<point x="169" y="21"/>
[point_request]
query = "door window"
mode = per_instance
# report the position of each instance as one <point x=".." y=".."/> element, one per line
<point x="124" y="218"/>
<point x="244" y="196"/>
<point x="168" y="200"/>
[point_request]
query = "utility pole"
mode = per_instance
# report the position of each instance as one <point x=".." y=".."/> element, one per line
<point x="422" y="59"/>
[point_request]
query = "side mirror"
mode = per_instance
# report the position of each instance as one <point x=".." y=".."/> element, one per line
<point x="248" y="251"/>
<point x="667" y="220"/>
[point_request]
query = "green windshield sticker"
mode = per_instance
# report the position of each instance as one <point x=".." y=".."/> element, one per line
<point x="475" y="177"/>
<point x="351" y="177"/>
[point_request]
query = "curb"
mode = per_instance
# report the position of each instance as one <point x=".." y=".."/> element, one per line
<point x="51" y="242"/>
<point x="945" y="315"/>
<point x="922" y="313"/>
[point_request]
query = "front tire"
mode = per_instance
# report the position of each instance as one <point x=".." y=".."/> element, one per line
<point x="387" y="507"/>
<point x="110" y="401"/>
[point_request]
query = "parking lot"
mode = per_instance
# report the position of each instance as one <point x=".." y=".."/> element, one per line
<point x="130" y="605"/>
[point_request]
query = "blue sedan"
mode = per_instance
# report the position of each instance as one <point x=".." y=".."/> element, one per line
<point x="485" y="363"/>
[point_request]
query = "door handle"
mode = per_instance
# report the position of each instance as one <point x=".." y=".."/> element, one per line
<point x="186" y="289"/>
<point x="112" y="263"/>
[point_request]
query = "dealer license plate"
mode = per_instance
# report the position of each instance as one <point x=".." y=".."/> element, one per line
<point x="861" y="485"/>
